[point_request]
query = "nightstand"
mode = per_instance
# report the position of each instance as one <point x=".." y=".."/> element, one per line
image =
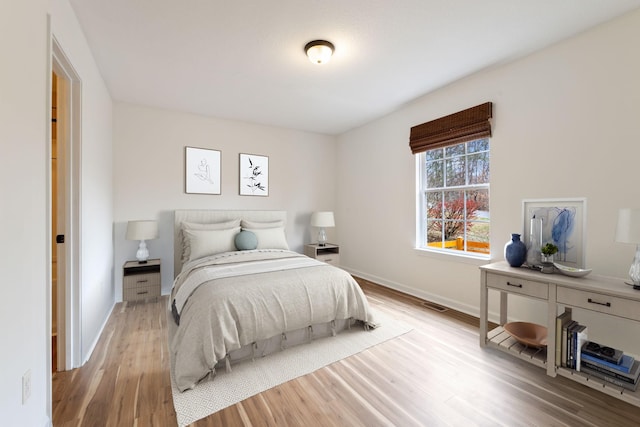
<point x="141" y="281"/>
<point x="328" y="253"/>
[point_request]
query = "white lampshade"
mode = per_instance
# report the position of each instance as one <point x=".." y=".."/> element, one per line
<point x="142" y="230"/>
<point x="319" y="51"/>
<point x="628" y="229"/>
<point x="322" y="219"/>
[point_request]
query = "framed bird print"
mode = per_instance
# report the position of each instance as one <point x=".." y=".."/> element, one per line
<point x="254" y="175"/>
<point x="202" y="171"/>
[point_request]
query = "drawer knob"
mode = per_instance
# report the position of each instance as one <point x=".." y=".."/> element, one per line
<point x="142" y="293"/>
<point x="607" y="304"/>
<point x="515" y="285"/>
<point x="142" y="281"/>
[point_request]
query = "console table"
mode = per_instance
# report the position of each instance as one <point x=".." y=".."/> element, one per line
<point x="606" y="295"/>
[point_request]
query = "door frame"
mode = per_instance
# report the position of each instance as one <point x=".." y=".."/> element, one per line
<point x="69" y="137"/>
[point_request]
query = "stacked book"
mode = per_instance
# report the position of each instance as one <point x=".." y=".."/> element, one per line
<point x="570" y="337"/>
<point x="610" y="365"/>
<point x="574" y="351"/>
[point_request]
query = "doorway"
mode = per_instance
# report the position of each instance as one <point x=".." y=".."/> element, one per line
<point x="56" y="176"/>
<point x="65" y="208"/>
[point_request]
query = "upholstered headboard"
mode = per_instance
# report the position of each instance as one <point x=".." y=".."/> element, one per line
<point x="214" y="216"/>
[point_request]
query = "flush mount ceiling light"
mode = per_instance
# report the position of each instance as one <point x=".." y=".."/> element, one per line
<point x="319" y="51"/>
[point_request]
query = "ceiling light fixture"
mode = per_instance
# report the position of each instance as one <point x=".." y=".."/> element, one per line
<point x="319" y="51"/>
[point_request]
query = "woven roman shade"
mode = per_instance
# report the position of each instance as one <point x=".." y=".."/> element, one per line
<point x="466" y="125"/>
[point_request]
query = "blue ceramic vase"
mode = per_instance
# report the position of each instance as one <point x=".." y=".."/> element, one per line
<point x="515" y="251"/>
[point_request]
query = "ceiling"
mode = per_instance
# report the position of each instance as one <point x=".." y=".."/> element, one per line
<point x="244" y="60"/>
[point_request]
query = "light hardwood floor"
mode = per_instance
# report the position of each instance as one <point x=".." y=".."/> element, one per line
<point x="435" y="375"/>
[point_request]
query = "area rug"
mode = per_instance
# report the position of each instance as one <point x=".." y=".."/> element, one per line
<point x="252" y="377"/>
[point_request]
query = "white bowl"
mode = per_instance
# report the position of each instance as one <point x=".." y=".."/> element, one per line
<point x="572" y="271"/>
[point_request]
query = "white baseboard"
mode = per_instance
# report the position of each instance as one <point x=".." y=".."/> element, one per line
<point x="87" y="356"/>
<point x="447" y="302"/>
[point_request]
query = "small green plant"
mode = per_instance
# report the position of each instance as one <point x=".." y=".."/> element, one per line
<point x="549" y="249"/>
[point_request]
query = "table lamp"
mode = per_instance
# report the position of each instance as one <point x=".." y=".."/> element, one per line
<point x="322" y="220"/>
<point x="142" y="230"/>
<point x="628" y="231"/>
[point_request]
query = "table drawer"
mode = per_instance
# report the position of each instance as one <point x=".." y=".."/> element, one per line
<point x="132" y="294"/>
<point x="518" y="286"/>
<point x="141" y="280"/>
<point x="594" y="301"/>
<point x="333" y="259"/>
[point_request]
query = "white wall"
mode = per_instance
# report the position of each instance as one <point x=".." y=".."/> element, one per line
<point x="23" y="256"/>
<point x="569" y="112"/>
<point x="96" y="188"/>
<point x="24" y="213"/>
<point x="149" y="146"/>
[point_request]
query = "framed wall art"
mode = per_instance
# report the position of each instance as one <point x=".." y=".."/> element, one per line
<point x="202" y="171"/>
<point x="558" y="221"/>
<point x="254" y="175"/>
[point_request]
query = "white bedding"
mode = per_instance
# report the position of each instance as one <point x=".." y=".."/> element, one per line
<point x="231" y="264"/>
<point x="234" y="299"/>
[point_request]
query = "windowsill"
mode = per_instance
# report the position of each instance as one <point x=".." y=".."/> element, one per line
<point x="451" y="256"/>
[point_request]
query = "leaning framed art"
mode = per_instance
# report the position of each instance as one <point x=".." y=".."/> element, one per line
<point x="202" y="171"/>
<point x="561" y="222"/>
<point x="254" y="175"/>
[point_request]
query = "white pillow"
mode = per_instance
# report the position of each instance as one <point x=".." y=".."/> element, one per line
<point x="271" y="238"/>
<point x="252" y="225"/>
<point x="210" y="242"/>
<point x="186" y="247"/>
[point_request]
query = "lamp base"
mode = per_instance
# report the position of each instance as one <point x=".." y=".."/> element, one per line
<point x="322" y="237"/>
<point x="634" y="271"/>
<point x="143" y="253"/>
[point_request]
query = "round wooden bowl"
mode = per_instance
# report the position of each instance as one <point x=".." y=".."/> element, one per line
<point x="529" y="334"/>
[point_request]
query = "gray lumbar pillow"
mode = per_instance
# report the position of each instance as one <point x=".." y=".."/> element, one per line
<point x="246" y="240"/>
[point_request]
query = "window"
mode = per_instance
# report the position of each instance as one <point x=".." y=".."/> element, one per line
<point x="453" y="174"/>
<point x="454" y="197"/>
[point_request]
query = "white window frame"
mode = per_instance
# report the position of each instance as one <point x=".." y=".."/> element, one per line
<point x="421" y="243"/>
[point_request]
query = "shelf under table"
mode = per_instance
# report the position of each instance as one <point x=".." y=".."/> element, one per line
<point x="629" y="396"/>
<point x="502" y="340"/>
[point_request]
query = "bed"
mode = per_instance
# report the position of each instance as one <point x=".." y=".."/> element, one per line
<point x="240" y="293"/>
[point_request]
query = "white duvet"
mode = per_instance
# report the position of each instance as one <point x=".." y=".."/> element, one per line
<point x="233" y="299"/>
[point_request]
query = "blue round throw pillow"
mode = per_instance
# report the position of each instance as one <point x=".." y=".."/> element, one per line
<point x="246" y="240"/>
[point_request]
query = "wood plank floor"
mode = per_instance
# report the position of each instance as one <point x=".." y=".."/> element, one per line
<point x="436" y="375"/>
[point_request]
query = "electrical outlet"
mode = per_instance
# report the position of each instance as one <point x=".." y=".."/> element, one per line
<point x="26" y="386"/>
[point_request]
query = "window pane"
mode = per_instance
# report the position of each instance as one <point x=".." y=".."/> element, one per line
<point x="434" y="232"/>
<point x="435" y="176"/>
<point x="478" y="168"/>
<point x="434" y="205"/>
<point x="454" y="204"/>
<point x="453" y="214"/>
<point x="434" y="154"/>
<point x="471" y="206"/>
<point x="479" y="201"/>
<point x="478" y="237"/>
<point x="478" y="231"/>
<point x="454" y="150"/>
<point x="455" y="171"/>
<point x="453" y="230"/>
<point x="478" y="145"/>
